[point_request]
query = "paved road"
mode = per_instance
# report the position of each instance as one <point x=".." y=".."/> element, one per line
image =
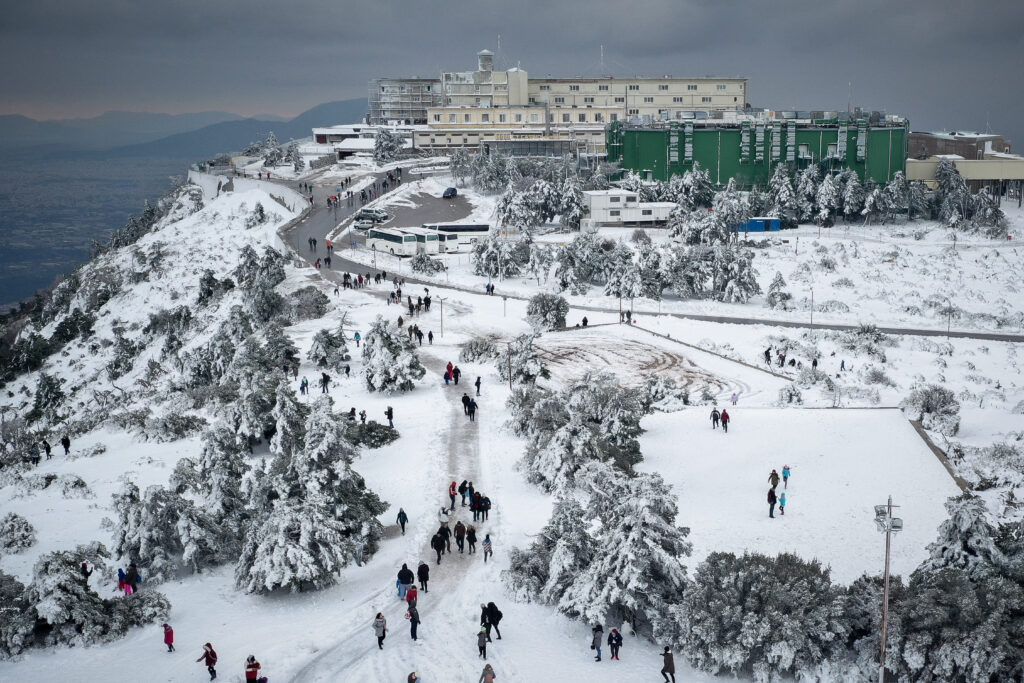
<point x="321" y="221"/>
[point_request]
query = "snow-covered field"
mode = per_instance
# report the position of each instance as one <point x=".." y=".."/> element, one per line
<point x="844" y="462"/>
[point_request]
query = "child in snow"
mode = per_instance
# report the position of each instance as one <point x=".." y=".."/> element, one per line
<point x="785" y="476"/>
<point x="782" y="503"/>
<point x="471" y="539"/>
<point x="252" y="669"/>
<point x="488" y="551"/>
<point x="487" y="675"/>
<point x="481" y="641"/>
<point x="380" y="629"/>
<point x="169" y="637"/>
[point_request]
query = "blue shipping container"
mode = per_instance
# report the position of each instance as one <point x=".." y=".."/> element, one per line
<point x="758" y="225"/>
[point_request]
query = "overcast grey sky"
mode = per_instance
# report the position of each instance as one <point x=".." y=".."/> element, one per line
<point x="940" y="62"/>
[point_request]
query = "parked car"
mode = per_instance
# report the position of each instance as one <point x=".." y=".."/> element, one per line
<point x="363" y="224"/>
<point x="376" y="215"/>
<point x="449" y="193"/>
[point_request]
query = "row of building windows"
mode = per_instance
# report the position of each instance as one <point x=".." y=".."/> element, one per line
<point x="534" y="118"/>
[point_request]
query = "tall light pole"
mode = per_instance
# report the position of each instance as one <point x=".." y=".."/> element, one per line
<point x="441" y="299"/>
<point x="889" y="525"/>
<point x="949" y="315"/>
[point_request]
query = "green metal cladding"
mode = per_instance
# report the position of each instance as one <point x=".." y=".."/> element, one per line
<point x="750" y="152"/>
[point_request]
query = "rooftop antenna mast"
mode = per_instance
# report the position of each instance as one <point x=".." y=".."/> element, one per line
<point x="849" y="95"/>
<point x="499" y="59"/>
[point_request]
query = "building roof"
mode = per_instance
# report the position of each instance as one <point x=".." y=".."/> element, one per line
<point x="607" y="193"/>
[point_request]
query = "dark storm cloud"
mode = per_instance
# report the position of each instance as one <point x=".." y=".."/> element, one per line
<point x="942" y="63"/>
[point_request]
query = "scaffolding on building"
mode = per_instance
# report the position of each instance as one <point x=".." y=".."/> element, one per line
<point x="402" y="100"/>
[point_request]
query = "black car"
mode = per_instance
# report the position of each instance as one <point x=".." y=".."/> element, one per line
<point x="449" y="193"/>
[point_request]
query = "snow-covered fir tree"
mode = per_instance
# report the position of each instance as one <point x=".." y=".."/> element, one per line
<point x="853" y="196"/>
<point x="637" y="568"/>
<point x="731" y="207"/>
<point x="521" y="358"/>
<point x="571" y="205"/>
<point x="777" y="296"/>
<point x="896" y="191"/>
<point x="387" y="145"/>
<point x="17" y="620"/>
<point x="966" y="540"/>
<point x="699" y="189"/>
<point x="390" y="361"/>
<point x="458" y="163"/>
<point x="289" y="422"/>
<point x="317" y="516"/>
<point x="546" y="312"/>
<point x="16" y="533"/>
<point x="807" y="192"/>
<point x="271" y="151"/>
<point x="495" y="258"/>
<point x="762" y="616"/>
<point x="621" y="275"/>
<point x="783" y="201"/>
<point x="328" y="351"/>
<point x="545" y="571"/>
<point x="828" y="200"/>
<point x="280" y="349"/>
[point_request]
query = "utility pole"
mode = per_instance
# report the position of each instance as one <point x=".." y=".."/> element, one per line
<point x="441" y="299"/>
<point x="889" y="525"/>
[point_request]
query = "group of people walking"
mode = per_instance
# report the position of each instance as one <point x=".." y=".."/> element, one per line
<point x="209" y="658"/>
<point x="35" y="452"/>
<point x="722" y="418"/>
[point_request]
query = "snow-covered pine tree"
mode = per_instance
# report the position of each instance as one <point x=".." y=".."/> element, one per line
<point x="387" y="145"/>
<point x="807" y="192"/>
<point x="783" y="203"/>
<point x="731" y="209"/>
<point x="328" y="350"/>
<point x="495" y="257"/>
<point x="917" y="199"/>
<point x="853" y="197"/>
<point x="458" y="163"/>
<point x="281" y="351"/>
<point x="896" y="191"/>
<point x="257" y="381"/>
<point x="700" y="191"/>
<point x="777" y="296"/>
<point x="545" y="571"/>
<point x="390" y="362"/>
<point x="621" y="275"/>
<point x="16" y="533"/>
<point x="734" y="278"/>
<point x="766" y="616"/>
<point x="546" y="312"/>
<point x="321" y="517"/>
<point x="70" y="611"/>
<point x="218" y="475"/>
<point x="571" y="205"/>
<point x="522" y="358"/>
<point x="289" y="423"/>
<point x="539" y="263"/>
<point x="636" y="568"/>
<point x="649" y="266"/>
<point x="271" y="151"/>
<point x="17" y="619"/>
<point x="935" y="407"/>
<point x="966" y="540"/>
<point x="827" y="200"/>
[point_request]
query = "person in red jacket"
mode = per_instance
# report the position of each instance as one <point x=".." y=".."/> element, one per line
<point x="252" y="669"/>
<point x="411" y="596"/>
<point x="209" y="657"/>
<point x="453" y="490"/>
<point x="725" y="421"/>
<point x="169" y="637"/>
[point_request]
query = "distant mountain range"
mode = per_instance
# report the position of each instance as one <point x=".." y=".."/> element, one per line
<point x="138" y="134"/>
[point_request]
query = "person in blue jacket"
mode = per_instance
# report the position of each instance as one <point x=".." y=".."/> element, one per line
<point x="782" y="503"/>
<point x="785" y="476"/>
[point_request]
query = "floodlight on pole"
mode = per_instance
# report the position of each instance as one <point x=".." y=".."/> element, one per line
<point x="889" y="525"/>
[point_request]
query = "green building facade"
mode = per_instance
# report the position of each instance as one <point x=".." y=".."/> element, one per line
<point x="751" y="150"/>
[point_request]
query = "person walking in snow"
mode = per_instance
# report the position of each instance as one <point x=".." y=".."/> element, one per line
<point x="782" y="503"/>
<point x="485" y="507"/>
<point x="430" y="337"/>
<point x="447" y="377"/>
<point x="596" y="641"/>
<point x="357" y="339"/>
<point x="390" y="415"/>
<point x="120" y="579"/>
<point x="785" y="476"/>
<point x="488" y="548"/>
<point x="463" y="487"/>
<point x="325" y="382"/>
<point x="402" y="519"/>
<point x="460" y="535"/>
<point x="252" y="668"/>
<point x="437" y="544"/>
<point x="735" y="398"/>
<point x="304" y="386"/>
<point x="487" y="675"/>
<point x="86" y="573"/>
<point x="715" y="417"/>
<point x="465" y="403"/>
<point x="446" y="534"/>
<point x="380" y="629"/>
<point x="453" y="490"/>
<point x="615" y="642"/>
<point x="494" y="616"/>
<point x="48" y="448"/>
<point x="481" y="642"/>
<point x="169" y="637"/>
<point x="668" y="666"/>
<point x="423" y="574"/>
<point x="412" y="596"/>
<point x="471" y="538"/>
<point x="477" y="383"/>
<point x="773" y="478"/>
<point x="449" y="368"/>
<point x="725" y="421"/>
<point x="405" y="579"/>
<point x="472" y="410"/>
<point x="456" y="374"/>
<point x="131" y="579"/>
<point x="66" y="443"/>
<point x="768" y="356"/>
<point x="209" y="658"/>
<point x="414" y="620"/>
<point x="771" y="502"/>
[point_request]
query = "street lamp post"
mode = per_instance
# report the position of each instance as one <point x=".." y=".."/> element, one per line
<point x="889" y="525"/>
<point x="949" y="315"/>
<point x="441" y="299"/>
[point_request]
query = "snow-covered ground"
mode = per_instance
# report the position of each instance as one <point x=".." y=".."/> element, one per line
<point x="844" y="461"/>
